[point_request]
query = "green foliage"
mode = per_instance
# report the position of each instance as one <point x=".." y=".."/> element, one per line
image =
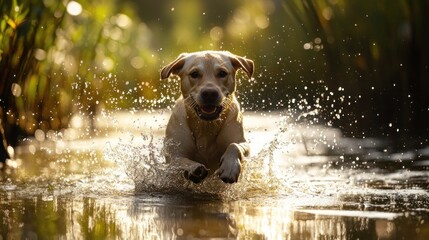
<point x="377" y="56"/>
<point x="82" y="57"/>
<point x="61" y="58"/>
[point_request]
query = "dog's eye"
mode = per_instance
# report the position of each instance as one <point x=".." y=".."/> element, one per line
<point x="194" y="74"/>
<point x="222" y="74"/>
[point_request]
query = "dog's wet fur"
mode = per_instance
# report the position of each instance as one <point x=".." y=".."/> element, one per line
<point x="205" y="132"/>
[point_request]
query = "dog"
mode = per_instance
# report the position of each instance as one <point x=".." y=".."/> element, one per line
<point x="205" y="130"/>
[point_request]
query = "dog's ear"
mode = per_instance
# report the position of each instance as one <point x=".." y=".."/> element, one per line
<point x="240" y="62"/>
<point x="173" y="67"/>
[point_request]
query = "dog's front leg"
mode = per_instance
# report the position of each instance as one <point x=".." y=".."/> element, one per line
<point x="230" y="162"/>
<point x="193" y="171"/>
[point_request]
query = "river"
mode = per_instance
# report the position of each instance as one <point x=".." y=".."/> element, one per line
<point x="302" y="181"/>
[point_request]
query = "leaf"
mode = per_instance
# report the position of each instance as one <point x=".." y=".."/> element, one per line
<point x="3" y="25"/>
<point x="21" y="17"/>
<point x="11" y="23"/>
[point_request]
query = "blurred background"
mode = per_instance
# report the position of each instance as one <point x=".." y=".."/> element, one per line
<point x="361" y="66"/>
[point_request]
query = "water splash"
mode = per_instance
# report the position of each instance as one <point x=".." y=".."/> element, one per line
<point x="142" y="159"/>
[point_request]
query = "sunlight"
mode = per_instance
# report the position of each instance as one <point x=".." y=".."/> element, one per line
<point x="335" y="116"/>
<point x="123" y="21"/>
<point x="108" y="64"/>
<point x="262" y="21"/>
<point x="137" y="62"/>
<point x="216" y="33"/>
<point x="16" y="90"/>
<point x="272" y="222"/>
<point x="74" y="8"/>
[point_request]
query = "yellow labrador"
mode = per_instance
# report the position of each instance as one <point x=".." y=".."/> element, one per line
<point x="205" y="130"/>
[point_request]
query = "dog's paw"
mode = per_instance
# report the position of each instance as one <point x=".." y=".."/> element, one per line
<point x="229" y="170"/>
<point x="197" y="175"/>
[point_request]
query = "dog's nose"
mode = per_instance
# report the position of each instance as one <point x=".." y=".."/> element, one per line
<point x="210" y="96"/>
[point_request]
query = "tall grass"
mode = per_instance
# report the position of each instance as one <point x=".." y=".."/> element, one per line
<point x="20" y="46"/>
<point x="59" y="58"/>
<point x="377" y="55"/>
<point x="363" y="64"/>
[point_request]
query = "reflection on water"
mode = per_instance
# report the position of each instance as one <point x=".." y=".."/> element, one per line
<point x="167" y="217"/>
<point x="301" y="182"/>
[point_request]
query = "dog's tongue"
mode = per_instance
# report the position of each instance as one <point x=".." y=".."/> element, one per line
<point x="208" y="109"/>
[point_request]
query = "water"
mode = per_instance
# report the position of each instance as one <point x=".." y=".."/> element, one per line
<point x="302" y="181"/>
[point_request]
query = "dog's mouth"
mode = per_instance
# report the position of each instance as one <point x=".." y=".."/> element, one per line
<point x="208" y="112"/>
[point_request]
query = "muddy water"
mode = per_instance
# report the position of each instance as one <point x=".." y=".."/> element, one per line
<point x="302" y="181"/>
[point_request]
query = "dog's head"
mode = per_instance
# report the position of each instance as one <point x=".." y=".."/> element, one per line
<point x="207" y="79"/>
